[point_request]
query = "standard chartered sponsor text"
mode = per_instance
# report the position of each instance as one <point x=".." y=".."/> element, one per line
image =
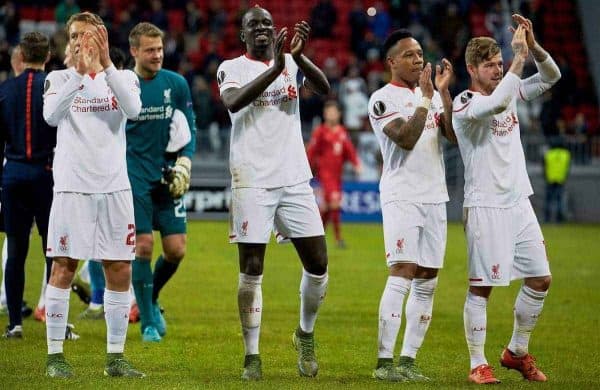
<point x="152" y="113"/>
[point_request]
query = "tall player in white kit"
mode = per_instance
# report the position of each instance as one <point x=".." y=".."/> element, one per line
<point x="504" y="238"/>
<point x="92" y="210"/>
<point x="270" y="176"/>
<point x="409" y="119"/>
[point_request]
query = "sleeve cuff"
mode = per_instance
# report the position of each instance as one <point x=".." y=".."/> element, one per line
<point x="110" y="70"/>
<point x="548" y="61"/>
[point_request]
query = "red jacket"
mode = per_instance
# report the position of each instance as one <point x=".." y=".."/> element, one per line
<point x="327" y="151"/>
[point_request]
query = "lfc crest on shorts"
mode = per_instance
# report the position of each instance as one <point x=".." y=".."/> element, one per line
<point x="495" y="271"/>
<point x="63" y="243"/>
<point x="400" y="246"/>
<point x="244" y="228"/>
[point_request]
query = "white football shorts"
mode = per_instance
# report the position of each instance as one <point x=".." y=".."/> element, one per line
<point x="92" y="226"/>
<point x="290" y="212"/>
<point x="504" y="244"/>
<point x="414" y="233"/>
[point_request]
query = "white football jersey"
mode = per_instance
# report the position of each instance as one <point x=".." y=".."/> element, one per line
<point x="490" y="141"/>
<point x="266" y="148"/>
<point x="416" y="175"/>
<point x="90" y="113"/>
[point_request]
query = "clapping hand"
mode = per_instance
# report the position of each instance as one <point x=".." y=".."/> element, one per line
<point x="443" y="75"/>
<point x="519" y="42"/>
<point x="528" y="26"/>
<point x="99" y="36"/>
<point x="302" y="30"/>
<point x="425" y="81"/>
<point x="279" y="54"/>
<point x="85" y="54"/>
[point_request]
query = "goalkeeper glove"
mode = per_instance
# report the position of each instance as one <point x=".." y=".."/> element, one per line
<point x="178" y="177"/>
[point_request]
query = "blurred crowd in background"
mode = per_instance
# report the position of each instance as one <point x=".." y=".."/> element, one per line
<point x="345" y="42"/>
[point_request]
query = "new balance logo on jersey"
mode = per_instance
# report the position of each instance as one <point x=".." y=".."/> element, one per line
<point x="495" y="271"/>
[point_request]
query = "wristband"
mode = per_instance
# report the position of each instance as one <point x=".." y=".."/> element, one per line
<point x="425" y="103"/>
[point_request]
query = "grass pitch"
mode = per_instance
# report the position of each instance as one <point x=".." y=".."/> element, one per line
<point x="203" y="347"/>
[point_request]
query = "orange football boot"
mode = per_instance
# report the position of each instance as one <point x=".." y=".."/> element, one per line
<point x="524" y="364"/>
<point x="483" y="374"/>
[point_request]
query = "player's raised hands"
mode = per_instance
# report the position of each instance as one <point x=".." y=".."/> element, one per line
<point x="278" y="49"/>
<point x="85" y="55"/>
<point x="528" y="25"/>
<point x="425" y="81"/>
<point x="443" y="75"/>
<point x="100" y="38"/>
<point x="519" y="42"/>
<point x="301" y="33"/>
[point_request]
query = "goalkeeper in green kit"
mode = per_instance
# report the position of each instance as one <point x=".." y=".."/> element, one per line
<point x="160" y="144"/>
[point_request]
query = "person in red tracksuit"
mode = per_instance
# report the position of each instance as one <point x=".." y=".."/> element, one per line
<point x="329" y="148"/>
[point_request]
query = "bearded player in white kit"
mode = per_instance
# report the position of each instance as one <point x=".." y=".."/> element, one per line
<point x="92" y="210"/>
<point x="270" y="176"/>
<point x="504" y="238"/>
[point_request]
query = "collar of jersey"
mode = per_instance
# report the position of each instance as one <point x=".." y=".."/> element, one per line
<point x="248" y="56"/>
<point x="396" y="84"/>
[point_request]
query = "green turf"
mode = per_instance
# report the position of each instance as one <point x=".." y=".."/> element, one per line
<point x="203" y="347"/>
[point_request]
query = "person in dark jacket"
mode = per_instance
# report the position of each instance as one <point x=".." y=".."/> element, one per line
<point x="27" y="142"/>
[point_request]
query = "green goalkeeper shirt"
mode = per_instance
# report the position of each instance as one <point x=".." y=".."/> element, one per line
<point x="148" y="136"/>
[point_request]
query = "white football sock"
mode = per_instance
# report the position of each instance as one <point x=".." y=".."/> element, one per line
<point x="312" y="293"/>
<point x="250" y="306"/>
<point x="132" y="300"/>
<point x="116" y="313"/>
<point x="528" y="306"/>
<point x="57" y="313"/>
<point x="390" y="314"/>
<point x="475" y="321"/>
<point x="418" y="311"/>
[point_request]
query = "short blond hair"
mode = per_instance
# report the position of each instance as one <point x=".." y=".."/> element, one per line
<point x="86" y="17"/>
<point x="481" y="49"/>
<point x="144" y="29"/>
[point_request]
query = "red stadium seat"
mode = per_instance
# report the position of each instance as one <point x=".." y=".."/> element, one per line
<point x="176" y="18"/>
<point x="46" y="14"/>
<point x="28" y="13"/>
